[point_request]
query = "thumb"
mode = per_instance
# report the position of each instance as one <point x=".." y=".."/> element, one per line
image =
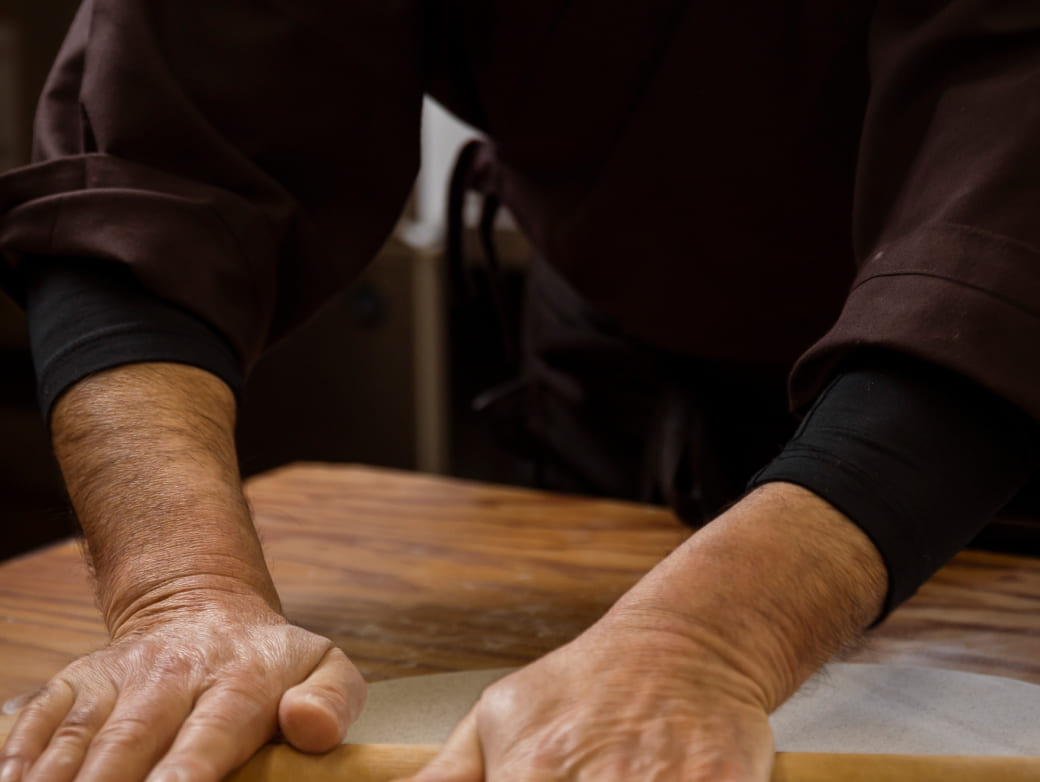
<point x="315" y="714"/>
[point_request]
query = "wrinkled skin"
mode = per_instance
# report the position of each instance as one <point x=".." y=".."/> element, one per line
<point x="199" y="686"/>
<point x="675" y="682"/>
<point x="622" y="702"/>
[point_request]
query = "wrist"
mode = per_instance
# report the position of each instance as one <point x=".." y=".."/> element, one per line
<point x="149" y="460"/>
<point x="651" y="638"/>
<point x="187" y="579"/>
<point x="204" y="597"/>
<point x="196" y="535"/>
<point x="774" y="587"/>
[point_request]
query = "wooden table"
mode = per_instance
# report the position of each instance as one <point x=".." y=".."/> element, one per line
<point x="414" y="574"/>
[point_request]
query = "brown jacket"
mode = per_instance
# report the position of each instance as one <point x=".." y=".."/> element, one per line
<point x="729" y="180"/>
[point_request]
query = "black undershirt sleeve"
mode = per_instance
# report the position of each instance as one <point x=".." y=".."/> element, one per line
<point x="918" y="457"/>
<point x="86" y="316"/>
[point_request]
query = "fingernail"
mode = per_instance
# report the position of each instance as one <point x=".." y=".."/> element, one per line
<point x="11" y="771"/>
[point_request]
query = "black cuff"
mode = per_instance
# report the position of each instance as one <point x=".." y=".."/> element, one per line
<point x="918" y="457"/>
<point x="85" y="316"/>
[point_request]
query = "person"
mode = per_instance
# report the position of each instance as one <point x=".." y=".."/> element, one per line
<point x="845" y="188"/>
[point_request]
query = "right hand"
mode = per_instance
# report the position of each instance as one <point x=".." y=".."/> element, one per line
<point x="635" y="697"/>
<point x="186" y="691"/>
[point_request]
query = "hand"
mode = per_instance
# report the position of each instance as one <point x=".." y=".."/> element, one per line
<point x="677" y="680"/>
<point x="202" y="668"/>
<point x="629" y="699"/>
<point x="192" y="687"/>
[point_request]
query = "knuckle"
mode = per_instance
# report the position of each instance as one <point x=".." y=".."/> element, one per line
<point x="338" y="658"/>
<point x="83" y="717"/>
<point x="500" y="699"/>
<point x="36" y="707"/>
<point x="125" y="731"/>
<point x="78" y="727"/>
<point x="56" y="690"/>
<point x="234" y="708"/>
<point x="216" y="721"/>
<point x="248" y="695"/>
<point x="14" y="754"/>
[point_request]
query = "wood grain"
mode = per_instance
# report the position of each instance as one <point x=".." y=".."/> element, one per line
<point x="980" y="613"/>
<point x="414" y="574"/>
<point x="386" y="762"/>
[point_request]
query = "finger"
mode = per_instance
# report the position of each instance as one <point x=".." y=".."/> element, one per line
<point x="15" y="704"/>
<point x="34" y="727"/>
<point x="139" y="731"/>
<point x="226" y="726"/>
<point x="460" y="759"/>
<point x="70" y="739"/>
<point x="315" y="714"/>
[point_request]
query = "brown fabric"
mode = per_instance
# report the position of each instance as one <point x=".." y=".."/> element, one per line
<point x="244" y="159"/>
<point x="948" y="196"/>
<point x="604" y="414"/>
<point x="706" y="174"/>
<point x="688" y="166"/>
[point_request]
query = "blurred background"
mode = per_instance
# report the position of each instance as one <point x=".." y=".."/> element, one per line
<point x="385" y="375"/>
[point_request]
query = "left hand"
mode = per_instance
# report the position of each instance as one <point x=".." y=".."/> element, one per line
<point x="186" y="691"/>
<point x="677" y="681"/>
<point x="628" y="700"/>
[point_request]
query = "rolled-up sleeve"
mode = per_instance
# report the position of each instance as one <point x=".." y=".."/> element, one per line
<point x="241" y="160"/>
<point x="948" y="198"/>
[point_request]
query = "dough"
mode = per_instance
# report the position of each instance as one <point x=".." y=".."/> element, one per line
<point x="845" y="708"/>
<point x="419" y="709"/>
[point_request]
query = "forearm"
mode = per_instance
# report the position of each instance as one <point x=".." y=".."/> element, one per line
<point x="774" y="587"/>
<point x="201" y="669"/>
<point x="678" y="679"/>
<point x="148" y="455"/>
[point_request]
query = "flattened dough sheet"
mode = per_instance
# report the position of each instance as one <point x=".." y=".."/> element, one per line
<point x="845" y="708"/>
